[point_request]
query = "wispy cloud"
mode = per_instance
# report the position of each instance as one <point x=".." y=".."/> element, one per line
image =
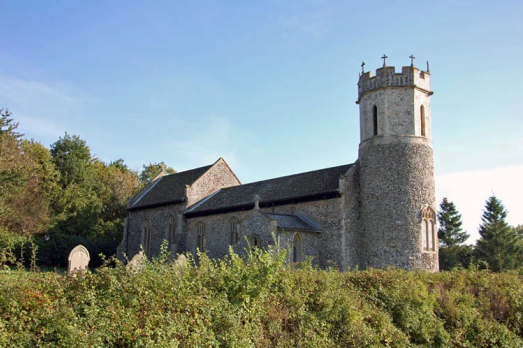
<point x="207" y="140"/>
<point x="42" y="127"/>
<point x="469" y="190"/>
<point x="315" y="24"/>
<point x="26" y="91"/>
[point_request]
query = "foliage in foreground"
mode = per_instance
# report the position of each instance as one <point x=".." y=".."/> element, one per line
<point x="259" y="302"/>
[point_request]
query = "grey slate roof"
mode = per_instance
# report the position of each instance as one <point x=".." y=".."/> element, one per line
<point x="169" y="189"/>
<point x="293" y="222"/>
<point x="292" y="187"/>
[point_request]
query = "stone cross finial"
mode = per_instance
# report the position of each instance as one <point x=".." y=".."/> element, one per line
<point x="256" y="202"/>
<point x="363" y="67"/>
<point x="412" y="59"/>
<point x="163" y="167"/>
<point x="384" y="60"/>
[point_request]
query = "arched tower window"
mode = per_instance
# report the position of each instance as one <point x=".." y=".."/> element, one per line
<point x="234" y="231"/>
<point x="297" y="248"/>
<point x="428" y="229"/>
<point x="146" y="237"/>
<point x="171" y="231"/>
<point x="422" y="116"/>
<point x="375" y="120"/>
<point x="200" y="242"/>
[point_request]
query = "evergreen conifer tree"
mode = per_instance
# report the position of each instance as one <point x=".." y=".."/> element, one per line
<point x="452" y="252"/>
<point x="499" y="245"/>
<point x="450" y="232"/>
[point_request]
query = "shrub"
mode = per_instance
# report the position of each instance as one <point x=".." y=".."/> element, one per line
<point x="259" y="301"/>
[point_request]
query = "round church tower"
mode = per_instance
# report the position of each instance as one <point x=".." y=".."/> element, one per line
<point x="398" y="219"/>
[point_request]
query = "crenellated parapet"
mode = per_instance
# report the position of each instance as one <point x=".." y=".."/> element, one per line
<point x="386" y="76"/>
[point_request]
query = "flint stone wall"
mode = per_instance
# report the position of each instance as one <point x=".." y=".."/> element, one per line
<point x="158" y="221"/>
<point x="218" y="176"/>
<point x="323" y="246"/>
<point x="397" y="182"/>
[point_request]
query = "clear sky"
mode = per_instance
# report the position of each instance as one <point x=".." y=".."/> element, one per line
<point x="268" y="85"/>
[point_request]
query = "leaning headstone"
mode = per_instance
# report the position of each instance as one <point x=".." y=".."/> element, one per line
<point x="136" y="261"/>
<point x="78" y="260"/>
<point x="181" y="261"/>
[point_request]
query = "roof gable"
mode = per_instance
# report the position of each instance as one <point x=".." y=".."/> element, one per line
<point x="168" y="189"/>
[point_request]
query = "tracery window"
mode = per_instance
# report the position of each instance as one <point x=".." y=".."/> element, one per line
<point x="375" y="120"/>
<point x="422" y="116"/>
<point x="234" y="231"/>
<point x="428" y="229"/>
<point x="200" y="242"/>
<point x="297" y="248"/>
<point x="146" y="237"/>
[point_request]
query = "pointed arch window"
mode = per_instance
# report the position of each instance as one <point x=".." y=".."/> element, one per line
<point x="422" y="121"/>
<point x="146" y="237"/>
<point x="375" y="120"/>
<point x="200" y="242"/>
<point x="234" y="231"/>
<point x="297" y="248"/>
<point x="255" y="241"/>
<point x="428" y="229"/>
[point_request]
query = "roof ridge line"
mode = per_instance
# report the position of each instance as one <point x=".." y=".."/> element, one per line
<point x="287" y="176"/>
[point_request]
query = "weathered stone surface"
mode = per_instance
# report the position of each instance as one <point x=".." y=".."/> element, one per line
<point x="137" y="261"/>
<point x="181" y="261"/>
<point x="78" y="260"/>
<point x="369" y="217"/>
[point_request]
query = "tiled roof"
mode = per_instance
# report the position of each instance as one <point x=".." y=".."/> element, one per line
<point x="293" y="222"/>
<point x="292" y="187"/>
<point x="169" y="189"/>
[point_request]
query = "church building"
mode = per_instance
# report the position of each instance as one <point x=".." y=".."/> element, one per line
<point x="378" y="211"/>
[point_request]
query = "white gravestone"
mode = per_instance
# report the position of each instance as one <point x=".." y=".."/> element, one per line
<point x="78" y="259"/>
<point x="136" y="261"/>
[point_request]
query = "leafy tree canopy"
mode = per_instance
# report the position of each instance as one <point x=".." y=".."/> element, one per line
<point x="150" y="171"/>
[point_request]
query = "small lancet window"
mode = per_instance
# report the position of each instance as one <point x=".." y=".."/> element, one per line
<point x="200" y="242"/>
<point x="171" y="231"/>
<point x="422" y="116"/>
<point x="146" y="237"/>
<point x="428" y="229"/>
<point x="254" y="241"/>
<point x="234" y="231"/>
<point x="297" y="248"/>
<point x="375" y="120"/>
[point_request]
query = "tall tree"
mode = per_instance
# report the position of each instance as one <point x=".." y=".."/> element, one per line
<point x="27" y="181"/>
<point x="450" y="232"/>
<point x="499" y="245"/>
<point x="150" y="171"/>
<point x="452" y="252"/>
<point x="8" y="125"/>
<point x="78" y="206"/>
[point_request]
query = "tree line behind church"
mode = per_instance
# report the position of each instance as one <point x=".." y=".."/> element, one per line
<point x="63" y="196"/>
<point x="58" y="197"/>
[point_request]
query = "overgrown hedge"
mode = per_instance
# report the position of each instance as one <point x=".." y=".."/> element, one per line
<point x="259" y="302"/>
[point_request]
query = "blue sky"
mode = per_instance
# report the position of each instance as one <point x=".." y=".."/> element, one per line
<point x="268" y="85"/>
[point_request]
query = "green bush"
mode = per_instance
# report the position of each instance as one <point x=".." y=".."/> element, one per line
<point x="259" y="301"/>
